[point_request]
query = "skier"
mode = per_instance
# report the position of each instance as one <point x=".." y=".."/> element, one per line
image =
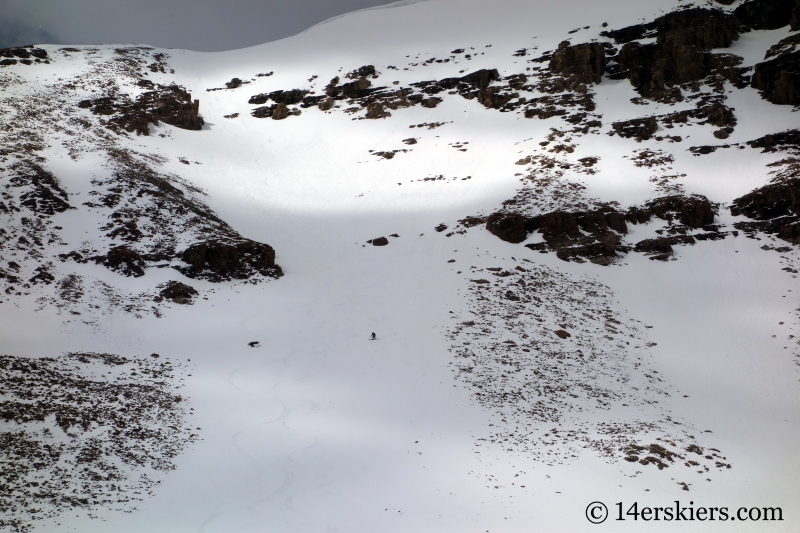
<point x="372" y="338"/>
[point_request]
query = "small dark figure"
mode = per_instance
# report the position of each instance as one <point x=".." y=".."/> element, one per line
<point x="372" y="338"/>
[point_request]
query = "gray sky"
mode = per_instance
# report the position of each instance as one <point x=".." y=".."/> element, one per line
<point x="205" y="25"/>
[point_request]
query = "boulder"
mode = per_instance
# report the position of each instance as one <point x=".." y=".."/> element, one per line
<point x="234" y="83"/>
<point x="380" y="241"/>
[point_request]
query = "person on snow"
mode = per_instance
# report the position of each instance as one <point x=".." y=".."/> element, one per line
<point x="372" y="338"/>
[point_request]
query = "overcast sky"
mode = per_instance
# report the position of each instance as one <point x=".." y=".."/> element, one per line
<point x="205" y="25"/>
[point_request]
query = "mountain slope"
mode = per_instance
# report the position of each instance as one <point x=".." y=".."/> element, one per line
<point x="572" y="229"/>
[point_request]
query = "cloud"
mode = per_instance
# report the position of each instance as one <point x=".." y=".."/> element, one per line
<point x="18" y="27"/>
<point x="205" y="25"/>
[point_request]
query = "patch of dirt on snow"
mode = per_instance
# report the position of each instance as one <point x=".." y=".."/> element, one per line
<point x="86" y="431"/>
<point x="564" y="372"/>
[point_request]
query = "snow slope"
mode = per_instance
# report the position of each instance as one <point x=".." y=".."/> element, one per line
<point x="319" y="429"/>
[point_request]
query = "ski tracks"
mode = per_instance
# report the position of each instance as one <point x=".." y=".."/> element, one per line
<point x="279" y="444"/>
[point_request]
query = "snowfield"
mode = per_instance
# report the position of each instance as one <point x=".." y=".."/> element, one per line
<point x="507" y="389"/>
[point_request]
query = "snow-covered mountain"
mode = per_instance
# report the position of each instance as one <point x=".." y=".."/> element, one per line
<point x="572" y="227"/>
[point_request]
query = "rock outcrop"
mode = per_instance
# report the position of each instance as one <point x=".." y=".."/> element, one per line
<point x="640" y="129"/>
<point x="771" y="201"/>
<point x="680" y="54"/>
<point x="169" y="104"/>
<point x="775" y="209"/>
<point x="218" y="260"/>
<point x="766" y="14"/>
<point x="509" y="227"/>
<point x="124" y="260"/>
<point x="778" y="79"/>
<point x="597" y="235"/>
<point x="40" y="191"/>
<point x="290" y="97"/>
<point x="794" y="20"/>
<point x="586" y="61"/>
<point x="177" y="292"/>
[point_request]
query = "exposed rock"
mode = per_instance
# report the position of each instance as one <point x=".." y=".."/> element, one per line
<point x="326" y="104"/>
<point x="784" y="46"/>
<point x="23" y="52"/>
<point x="704" y="28"/>
<point x="275" y="111"/>
<point x="771" y="201"/>
<point x="311" y="101"/>
<point x="561" y="334"/>
<point x="124" y="260"/>
<point x="376" y="111"/>
<point x="639" y="128"/>
<point x="794" y="20"/>
<point x="680" y="53"/>
<point x="170" y="104"/>
<point x="508" y="227"/>
<point x="280" y="112"/>
<point x="178" y="292"/>
<point x="115" y="420"/>
<point x="291" y="97"/>
<point x="355" y="89"/>
<point x="598" y="234"/>
<point x="778" y="79"/>
<point x="258" y="99"/>
<point x="719" y="115"/>
<point x="362" y="72"/>
<point x="586" y="61"/>
<point x="42" y="192"/>
<point x="786" y="228"/>
<point x="693" y="211"/>
<point x="661" y="248"/>
<point x="785" y="139"/>
<point x="218" y="260"/>
<point x="380" y="241"/>
<point x="234" y="83"/>
<point x="765" y="14"/>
